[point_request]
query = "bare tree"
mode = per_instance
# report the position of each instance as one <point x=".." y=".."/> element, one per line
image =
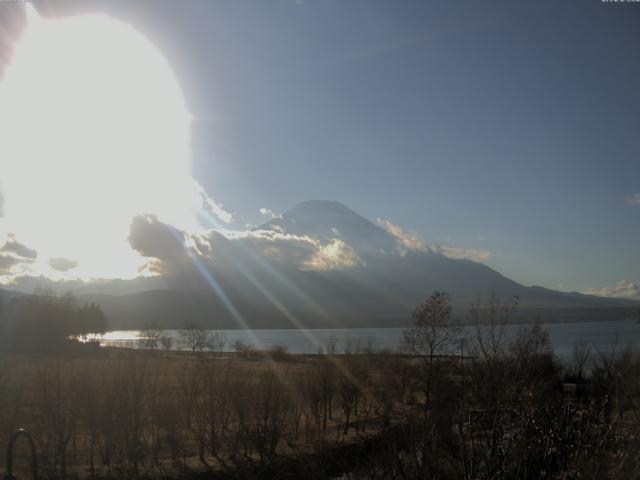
<point x="351" y="345"/>
<point x="217" y="341"/>
<point x="489" y="323"/>
<point x="430" y="336"/>
<point x="243" y="349"/>
<point x="529" y="346"/>
<point x="149" y="337"/>
<point x="55" y="416"/>
<point x="166" y="342"/>
<point x="580" y="356"/>
<point x="349" y="389"/>
<point x="330" y="346"/>
<point x="194" y="338"/>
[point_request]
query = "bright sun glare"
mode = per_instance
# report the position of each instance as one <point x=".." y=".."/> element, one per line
<point x="94" y="131"/>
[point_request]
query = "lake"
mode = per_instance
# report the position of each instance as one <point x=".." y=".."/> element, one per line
<point x="603" y="336"/>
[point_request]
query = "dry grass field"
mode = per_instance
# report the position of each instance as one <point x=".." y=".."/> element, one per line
<point x="145" y="413"/>
<point x="505" y="409"/>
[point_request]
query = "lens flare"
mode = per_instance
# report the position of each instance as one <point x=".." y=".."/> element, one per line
<point x="93" y="131"/>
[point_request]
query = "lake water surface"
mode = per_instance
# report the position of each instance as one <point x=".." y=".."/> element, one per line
<point x="603" y="336"/>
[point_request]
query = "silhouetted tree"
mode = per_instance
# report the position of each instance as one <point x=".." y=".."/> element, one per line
<point x="217" y="341"/>
<point x="166" y="342"/>
<point x="430" y="336"/>
<point x="194" y="338"/>
<point x="149" y="337"/>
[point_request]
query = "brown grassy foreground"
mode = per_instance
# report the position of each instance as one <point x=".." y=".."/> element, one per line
<point x="491" y="407"/>
<point x="140" y="415"/>
<point x="143" y="414"/>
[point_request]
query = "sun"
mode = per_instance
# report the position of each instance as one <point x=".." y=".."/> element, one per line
<point x="93" y="131"/>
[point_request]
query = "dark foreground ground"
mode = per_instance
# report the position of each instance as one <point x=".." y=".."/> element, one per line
<point x="498" y="411"/>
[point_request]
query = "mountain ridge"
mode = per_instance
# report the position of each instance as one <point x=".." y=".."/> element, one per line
<point x="380" y="290"/>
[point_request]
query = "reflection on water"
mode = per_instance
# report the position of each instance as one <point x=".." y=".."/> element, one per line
<point x="601" y="335"/>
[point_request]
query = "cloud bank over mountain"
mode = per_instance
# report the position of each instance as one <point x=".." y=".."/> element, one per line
<point x="267" y="212"/>
<point x="318" y="265"/>
<point x="410" y="241"/>
<point x="622" y="289"/>
<point x="171" y="250"/>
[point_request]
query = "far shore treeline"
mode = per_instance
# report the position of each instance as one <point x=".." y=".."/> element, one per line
<point x="44" y="322"/>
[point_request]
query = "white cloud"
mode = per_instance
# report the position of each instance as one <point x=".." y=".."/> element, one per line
<point x="216" y="208"/>
<point x="407" y="240"/>
<point x="300" y="252"/>
<point x="266" y="212"/>
<point x="634" y="199"/>
<point x="333" y="255"/>
<point x="475" y="254"/>
<point x="622" y="289"/>
<point x="410" y="241"/>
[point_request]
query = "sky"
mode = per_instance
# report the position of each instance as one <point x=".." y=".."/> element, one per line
<point x="501" y="126"/>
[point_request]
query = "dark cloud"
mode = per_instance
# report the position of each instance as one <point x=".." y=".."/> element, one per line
<point x="62" y="264"/>
<point x="19" y="249"/>
<point x="13" y="254"/>
<point x="7" y="263"/>
<point x="172" y="251"/>
<point x="168" y="248"/>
